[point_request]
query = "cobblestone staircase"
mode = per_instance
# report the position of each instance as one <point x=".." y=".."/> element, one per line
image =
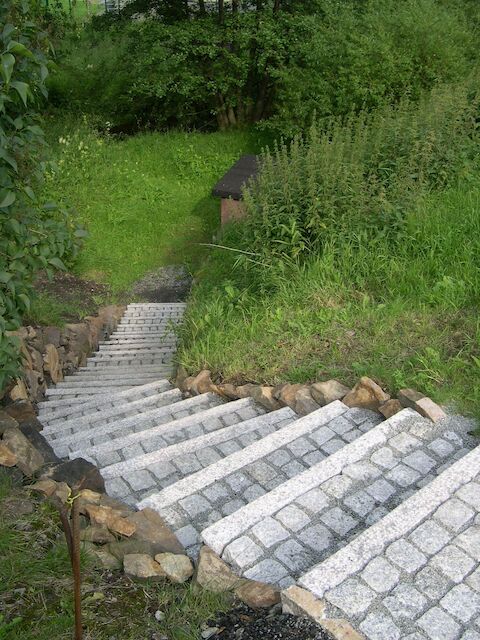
<point x="377" y="519"/>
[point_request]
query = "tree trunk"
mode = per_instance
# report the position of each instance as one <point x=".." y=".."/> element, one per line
<point x="235" y="6"/>
<point x="222" y="118"/>
<point x="276" y="6"/>
<point x="221" y="11"/>
<point x="201" y="7"/>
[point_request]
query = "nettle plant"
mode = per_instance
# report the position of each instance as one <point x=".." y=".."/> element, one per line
<point x="34" y="236"/>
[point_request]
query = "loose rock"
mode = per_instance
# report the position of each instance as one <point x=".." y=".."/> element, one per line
<point x="366" y="394"/>
<point x="390" y="408"/>
<point x="7" y="457"/>
<point x="264" y="396"/>
<point x="429" y="409"/>
<point x="110" y="519"/>
<point x="408" y="397"/>
<point x="329" y="391"/>
<point x="151" y="528"/>
<point x="96" y="534"/>
<point x="51" y="364"/>
<point x="177" y="568"/>
<point x="258" y="594"/>
<point x="214" y="574"/>
<point x="287" y="394"/>
<point x="304" y="403"/>
<point x="139" y="565"/>
<point x="29" y="460"/>
<point x="6" y="422"/>
<point x="79" y="474"/>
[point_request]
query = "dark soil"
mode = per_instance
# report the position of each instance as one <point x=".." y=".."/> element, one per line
<point x="73" y="293"/>
<point x="167" y="284"/>
<point x="243" y="623"/>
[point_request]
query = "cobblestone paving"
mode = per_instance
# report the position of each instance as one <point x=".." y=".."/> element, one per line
<point x="224" y="496"/>
<point x="194" y="455"/>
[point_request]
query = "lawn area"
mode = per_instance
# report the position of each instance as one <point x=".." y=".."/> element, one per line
<point x="36" y="586"/>
<point x="145" y="200"/>
<point x="404" y="313"/>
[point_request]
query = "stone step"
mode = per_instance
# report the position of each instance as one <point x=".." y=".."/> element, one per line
<point x="163" y="319"/>
<point x="414" y="574"/>
<point x="125" y="362"/>
<point x="60" y="427"/>
<point x="79" y="391"/>
<point x="139" y="476"/>
<point x="88" y="384"/>
<point x="132" y="354"/>
<point x="130" y="395"/>
<point x="91" y="374"/>
<point x="135" y="346"/>
<point x="146" y="434"/>
<point x="307" y="519"/>
<point x="106" y="438"/>
<point x="146" y="330"/>
<point x="140" y="342"/>
<point x="192" y="504"/>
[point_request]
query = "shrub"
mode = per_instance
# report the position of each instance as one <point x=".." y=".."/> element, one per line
<point x="33" y="235"/>
<point x="359" y="174"/>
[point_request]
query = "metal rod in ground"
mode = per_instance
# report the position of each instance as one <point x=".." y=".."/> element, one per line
<point x="77" y="578"/>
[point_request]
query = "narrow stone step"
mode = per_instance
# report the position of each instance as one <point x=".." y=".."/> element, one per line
<point x="159" y="320"/>
<point x="139" y="341"/>
<point x="128" y="346"/>
<point x="135" y="393"/>
<point x="144" y="434"/>
<point x="165" y="466"/>
<point x="192" y="504"/>
<point x="87" y="385"/>
<point x="107" y="438"/>
<point x="77" y="391"/>
<point x="307" y="519"/>
<point x="113" y="375"/>
<point x="125" y="362"/>
<point x="61" y="427"/>
<point x="414" y="574"/>
<point x="132" y="354"/>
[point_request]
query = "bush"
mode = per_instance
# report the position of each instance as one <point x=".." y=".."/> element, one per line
<point x="361" y="174"/>
<point x="325" y="58"/>
<point x="33" y="235"/>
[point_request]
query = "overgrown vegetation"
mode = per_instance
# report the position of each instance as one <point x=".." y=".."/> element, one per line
<point x="33" y="234"/>
<point x="280" y="61"/>
<point x="354" y="259"/>
<point x="36" y="586"/>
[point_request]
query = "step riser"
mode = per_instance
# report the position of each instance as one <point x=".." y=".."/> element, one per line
<point x="333" y="502"/>
<point x="125" y="362"/>
<point x="77" y="391"/>
<point x="132" y="355"/>
<point x="157" y="430"/>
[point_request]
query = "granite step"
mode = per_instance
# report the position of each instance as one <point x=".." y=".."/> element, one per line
<point x="106" y="439"/>
<point x="139" y="435"/>
<point x="140" y="476"/>
<point x="63" y="427"/>
<point x="192" y="504"/>
<point x="306" y="520"/>
<point x="415" y="573"/>
<point x="132" y="354"/>
<point x="52" y="410"/>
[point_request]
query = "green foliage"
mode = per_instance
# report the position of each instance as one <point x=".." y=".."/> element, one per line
<point x="403" y="312"/>
<point x="363" y="174"/>
<point x="145" y="199"/>
<point x="320" y="58"/>
<point x="33" y="235"/>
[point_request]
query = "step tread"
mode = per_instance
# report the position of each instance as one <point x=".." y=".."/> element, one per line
<point x="256" y="469"/>
<point x="313" y="515"/>
<point x="117" y="453"/>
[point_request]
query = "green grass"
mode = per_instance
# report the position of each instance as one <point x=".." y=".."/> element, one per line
<point x="405" y="313"/>
<point x="36" y="587"/>
<point x="145" y="199"/>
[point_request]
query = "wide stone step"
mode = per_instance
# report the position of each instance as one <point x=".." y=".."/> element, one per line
<point x="141" y="342"/>
<point x="307" y="519"/>
<point x="144" y="330"/>
<point x="192" y="504"/>
<point x="78" y="391"/>
<point x="132" y="354"/>
<point x="150" y="433"/>
<point x="135" y="346"/>
<point x="87" y="384"/>
<point x="49" y="410"/>
<point x="64" y="427"/>
<point x="103" y="440"/>
<point x="125" y="362"/>
<point x="414" y="574"/>
<point x="128" y="374"/>
<point x="138" y="477"/>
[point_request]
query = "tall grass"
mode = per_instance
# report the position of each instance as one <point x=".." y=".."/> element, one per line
<point x="361" y="174"/>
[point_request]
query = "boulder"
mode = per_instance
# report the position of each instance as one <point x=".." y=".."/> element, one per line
<point x="7" y="457"/>
<point x="366" y="394"/>
<point x="79" y="474"/>
<point x="246" y="390"/>
<point x="34" y="382"/>
<point x="35" y="437"/>
<point x="51" y="335"/>
<point x="329" y="391"/>
<point x="52" y="364"/>
<point x="287" y="393"/>
<point x="105" y="559"/>
<point x="264" y="396"/>
<point x="22" y="411"/>
<point x="45" y="487"/>
<point x="37" y="359"/>
<point x="6" y="422"/>
<point x="29" y="460"/>
<point x="177" y="568"/>
<point x="304" y="403"/>
<point x="214" y="574"/>
<point x="151" y="528"/>
<point x="409" y="397"/>
<point x="258" y="595"/>
<point x="180" y="378"/>
<point x="202" y="383"/>
<point x="139" y="565"/>
<point x="427" y="408"/>
<point x="18" y="391"/>
<point x="121" y="548"/>
<point x="390" y="408"/>
<point x="96" y="534"/>
<point x="228" y="391"/>
<point x="111" y="519"/>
